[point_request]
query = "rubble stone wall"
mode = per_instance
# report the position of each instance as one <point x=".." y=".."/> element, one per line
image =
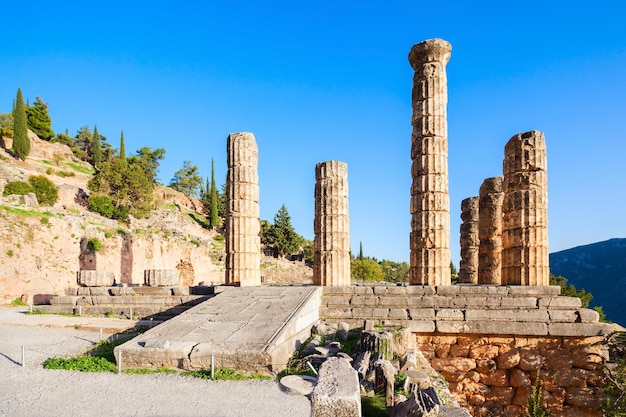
<point x="494" y="375"/>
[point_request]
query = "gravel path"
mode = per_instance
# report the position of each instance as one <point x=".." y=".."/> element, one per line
<point x="34" y="391"/>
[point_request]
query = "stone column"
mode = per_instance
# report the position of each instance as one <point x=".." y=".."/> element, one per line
<point x="525" y="211"/>
<point x="468" y="268"/>
<point x="490" y="231"/>
<point x="430" y="202"/>
<point x="331" y="257"/>
<point x="243" y="245"/>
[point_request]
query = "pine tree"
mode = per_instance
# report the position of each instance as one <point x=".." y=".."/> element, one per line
<point x="281" y="236"/>
<point x="186" y="180"/>
<point x="21" y="141"/>
<point x="96" y="148"/>
<point x="214" y="217"/>
<point x="39" y="120"/>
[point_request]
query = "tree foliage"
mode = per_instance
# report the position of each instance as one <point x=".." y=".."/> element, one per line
<point x="614" y="403"/>
<point x="6" y="125"/>
<point x="39" y="120"/>
<point x="394" y="271"/>
<point x="21" y="141"/>
<point x="45" y="190"/>
<point x="129" y="183"/>
<point x="281" y="236"/>
<point x="366" y="269"/>
<point x="17" y="188"/>
<point x="186" y="180"/>
<point x="214" y="218"/>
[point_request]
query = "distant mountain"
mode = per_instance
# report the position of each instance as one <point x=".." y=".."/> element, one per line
<point x="599" y="268"/>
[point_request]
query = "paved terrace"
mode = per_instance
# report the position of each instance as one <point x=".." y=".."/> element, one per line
<point x="252" y="328"/>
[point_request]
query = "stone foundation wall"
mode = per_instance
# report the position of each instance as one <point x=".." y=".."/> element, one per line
<point x="490" y="342"/>
<point x="494" y="375"/>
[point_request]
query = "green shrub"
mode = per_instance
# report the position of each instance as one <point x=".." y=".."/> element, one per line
<point x="45" y="190"/>
<point x="121" y="213"/>
<point x="10" y="253"/>
<point x="65" y="174"/>
<point x="18" y="188"/>
<point x="17" y="302"/>
<point x="101" y="204"/>
<point x="49" y="171"/>
<point x="219" y="238"/>
<point x="94" y="244"/>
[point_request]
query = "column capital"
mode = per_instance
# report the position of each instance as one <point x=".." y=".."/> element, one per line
<point x="431" y="50"/>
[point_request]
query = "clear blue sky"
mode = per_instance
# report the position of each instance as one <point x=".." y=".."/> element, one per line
<point x="322" y="80"/>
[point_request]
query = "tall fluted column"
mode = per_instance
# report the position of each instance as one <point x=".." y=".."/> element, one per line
<point x="430" y="202"/>
<point x="490" y="232"/>
<point x="331" y="257"/>
<point x="525" y="211"/>
<point x="243" y="245"/>
<point x="468" y="268"/>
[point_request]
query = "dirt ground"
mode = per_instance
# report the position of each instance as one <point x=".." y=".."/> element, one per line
<point x="33" y="391"/>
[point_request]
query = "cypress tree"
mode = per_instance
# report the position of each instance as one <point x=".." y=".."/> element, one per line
<point x="122" y="154"/>
<point x="360" y="251"/>
<point x="21" y="142"/>
<point x="214" y="215"/>
<point x="96" y="148"/>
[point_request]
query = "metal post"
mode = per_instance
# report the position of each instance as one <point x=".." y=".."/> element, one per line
<point x="131" y="313"/>
<point x="80" y="310"/>
<point x="23" y="355"/>
<point x="100" y="333"/>
<point x="30" y="307"/>
<point x="212" y="366"/>
<point x="119" y="361"/>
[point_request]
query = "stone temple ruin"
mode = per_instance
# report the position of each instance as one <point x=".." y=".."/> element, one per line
<point x="490" y="336"/>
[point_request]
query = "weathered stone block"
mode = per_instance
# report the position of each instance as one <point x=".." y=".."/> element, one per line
<point x="398" y="314"/>
<point x="520" y="302"/>
<point x="449" y="314"/>
<point x="64" y="300"/>
<point x="337" y="392"/>
<point x="522" y="315"/>
<point x="588" y="315"/>
<point x="161" y="277"/>
<point x="422" y="313"/>
<point x="421" y="326"/>
<point x="392" y="301"/>
<point x="563" y="316"/>
<point x="560" y="302"/>
<point x="580" y="329"/>
<point x="95" y="278"/>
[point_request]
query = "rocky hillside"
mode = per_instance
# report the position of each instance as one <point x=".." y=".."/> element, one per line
<point x="599" y="268"/>
<point x="42" y="248"/>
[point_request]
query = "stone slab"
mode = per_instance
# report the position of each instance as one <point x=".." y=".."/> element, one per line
<point x="253" y="329"/>
<point x="337" y="393"/>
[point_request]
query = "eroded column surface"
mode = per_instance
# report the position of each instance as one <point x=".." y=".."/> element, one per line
<point x="525" y="211"/>
<point x="490" y="231"/>
<point x="468" y="268"/>
<point x="243" y="245"/>
<point x="430" y="202"/>
<point x="331" y="257"/>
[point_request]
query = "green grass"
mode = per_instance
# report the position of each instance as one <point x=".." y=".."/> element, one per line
<point x="146" y="371"/>
<point x="39" y="312"/>
<point x="17" y="303"/>
<point x="23" y="212"/>
<point x="80" y="168"/>
<point x="81" y="363"/>
<point x="225" y="374"/>
<point x="200" y="219"/>
<point x="374" y="406"/>
<point x="170" y="207"/>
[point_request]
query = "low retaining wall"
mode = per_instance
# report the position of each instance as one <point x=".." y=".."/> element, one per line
<point x="491" y="342"/>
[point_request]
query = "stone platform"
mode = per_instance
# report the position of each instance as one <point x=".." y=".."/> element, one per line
<point x="254" y="329"/>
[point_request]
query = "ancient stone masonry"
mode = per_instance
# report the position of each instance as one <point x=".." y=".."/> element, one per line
<point x="243" y="245"/>
<point x="525" y="211"/>
<point x="331" y="258"/>
<point x="468" y="270"/>
<point x="490" y="231"/>
<point x="430" y="202"/>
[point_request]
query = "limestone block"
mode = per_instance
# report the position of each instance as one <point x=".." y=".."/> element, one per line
<point x="520" y="302"/>
<point x="521" y="315"/>
<point x="64" y="300"/>
<point x="563" y="316"/>
<point x="421" y="326"/>
<point x="337" y="392"/>
<point x="493" y="327"/>
<point x="398" y="314"/>
<point x="580" y="329"/>
<point x="161" y="277"/>
<point x="560" y="302"/>
<point x="450" y="314"/>
<point x="547" y="290"/>
<point x="588" y="315"/>
<point x="422" y="313"/>
<point x="95" y="278"/>
<point x="392" y="301"/>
